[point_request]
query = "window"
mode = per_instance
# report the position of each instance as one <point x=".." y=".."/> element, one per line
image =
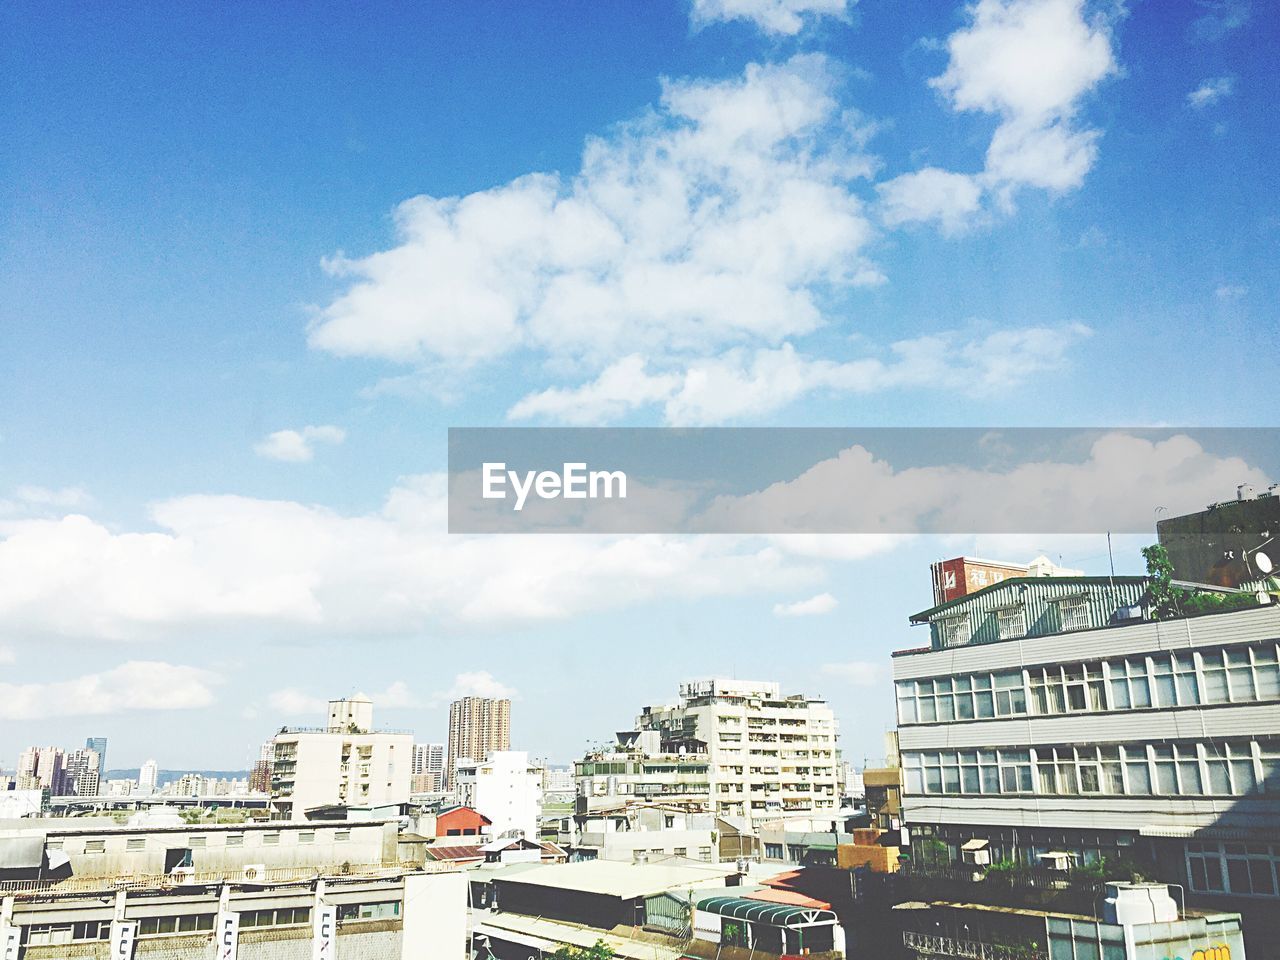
<point x="341" y="836"/>
<point x="954" y="631"/>
<point x="134" y="844"/>
<point x="95" y="846"/>
<point x="306" y="836"/>
<point x="235" y="839"/>
<point x="280" y="917"/>
<point x="1010" y="693"/>
<point x="1073" y="613"/>
<point x="1011" y="622"/>
<point x="270" y="839"/>
<point x="196" y="842"/>
<point x="387" y="910"/>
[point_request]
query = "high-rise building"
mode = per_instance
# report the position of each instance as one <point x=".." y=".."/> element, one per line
<point x="347" y="764"/>
<point x="428" y="767"/>
<point x="733" y="747"/>
<point x="477" y="727"/>
<point x="42" y="768"/>
<point x="1054" y="723"/>
<point x="260" y="776"/>
<point x="80" y="773"/>
<point x="99" y="746"/>
<point x="148" y="775"/>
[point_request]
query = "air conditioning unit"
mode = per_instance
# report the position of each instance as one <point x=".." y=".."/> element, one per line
<point x="254" y="873"/>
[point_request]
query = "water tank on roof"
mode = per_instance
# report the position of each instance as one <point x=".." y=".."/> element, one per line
<point x="1130" y="903"/>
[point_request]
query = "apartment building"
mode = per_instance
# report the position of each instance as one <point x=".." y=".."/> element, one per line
<point x="477" y="727"/>
<point x="505" y="788"/>
<point x="766" y="754"/>
<point x="346" y="763"/>
<point x="428" y="767"/>
<point x="1049" y="722"/>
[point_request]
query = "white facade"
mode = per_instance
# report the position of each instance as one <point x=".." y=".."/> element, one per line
<point x="767" y="754"/>
<point x="346" y="766"/>
<point x="506" y="788"/>
<point x="148" y="774"/>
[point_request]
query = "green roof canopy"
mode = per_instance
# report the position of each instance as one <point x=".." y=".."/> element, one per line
<point x="760" y="911"/>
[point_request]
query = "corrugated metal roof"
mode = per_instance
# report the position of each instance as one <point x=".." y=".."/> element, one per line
<point x="758" y="911"/>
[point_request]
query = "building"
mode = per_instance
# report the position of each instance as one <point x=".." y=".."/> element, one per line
<point x="646" y="834"/>
<point x="477" y="727"/>
<point x="345" y="764"/>
<point x="80" y="772"/>
<point x="428" y="767"/>
<point x="99" y="746"/>
<point x="883" y="786"/>
<point x="42" y="768"/>
<point x="1137" y="922"/>
<point x="506" y="789"/>
<point x="390" y="914"/>
<point x="260" y="775"/>
<point x="1218" y="544"/>
<point x="960" y="576"/>
<point x="1050" y="723"/>
<point x="148" y="776"/>
<point x="765" y="754"/>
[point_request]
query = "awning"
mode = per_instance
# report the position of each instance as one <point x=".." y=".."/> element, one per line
<point x="58" y="858"/>
<point x="974" y="844"/>
<point x="776" y="915"/>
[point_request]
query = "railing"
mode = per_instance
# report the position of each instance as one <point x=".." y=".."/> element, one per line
<point x="934" y="945"/>
<point x="270" y="875"/>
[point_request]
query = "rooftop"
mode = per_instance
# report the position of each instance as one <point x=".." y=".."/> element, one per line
<point x="620" y="879"/>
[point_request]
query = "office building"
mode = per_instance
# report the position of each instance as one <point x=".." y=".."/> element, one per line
<point x="260" y="775"/>
<point x="1050" y="722"/>
<point x="345" y="764"/>
<point x="42" y="768"/>
<point x="765" y="755"/>
<point x="477" y="727"/>
<point x="99" y="746"/>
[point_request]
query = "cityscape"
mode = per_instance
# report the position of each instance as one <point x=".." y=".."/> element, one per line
<point x="1082" y="764"/>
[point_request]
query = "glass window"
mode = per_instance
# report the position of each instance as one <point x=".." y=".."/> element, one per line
<point x="1266" y="672"/>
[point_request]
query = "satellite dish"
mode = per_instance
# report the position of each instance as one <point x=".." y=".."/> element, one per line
<point x="1263" y="561"/>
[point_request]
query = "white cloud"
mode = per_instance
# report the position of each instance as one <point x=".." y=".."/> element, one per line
<point x="478" y="683"/>
<point x="1230" y="291"/>
<point x="785" y="17"/>
<point x="951" y="199"/>
<point x="1220" y="19"/>
<point x="134" y="686"/>
<point x="741" y="384"/>
<point x="34" y="500"/>
<point x="219" y="561"/>
<point x="1211" y="91"/>
<point x="298" y="446"/>
<point x="857" y="673"/>
<point x="396" y="696"/>
<point x="292" y="702"/>
<point x="7" y="656"/>
<point x="1119" y="480"/>
<point x="814" y="606"/>
<point x="719" y="218"/>
<point x="1031" y="63"/>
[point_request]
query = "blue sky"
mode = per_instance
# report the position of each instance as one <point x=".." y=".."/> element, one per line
<point x="1061" y="214"/>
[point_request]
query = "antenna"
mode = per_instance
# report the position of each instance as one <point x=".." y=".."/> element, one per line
<point x="1112" y="561"/>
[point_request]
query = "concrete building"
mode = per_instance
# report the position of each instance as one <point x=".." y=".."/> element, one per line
<point x="647" y="834"/>
<point x="766" y="754"/>
<point x="346" y="763"/>
<point x="477" y="727"/>
<point x="954" y="578"/>
<point x="506" y="789"/>
<point x="148" y="776"/>
<point x="42" y="768"/>
<point x="387" y="916"/>
<point x="428" y="767"/>
<point x="1049" y="723"/>
<point x="156" y="845"/>
<point x="81" y="772"/>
